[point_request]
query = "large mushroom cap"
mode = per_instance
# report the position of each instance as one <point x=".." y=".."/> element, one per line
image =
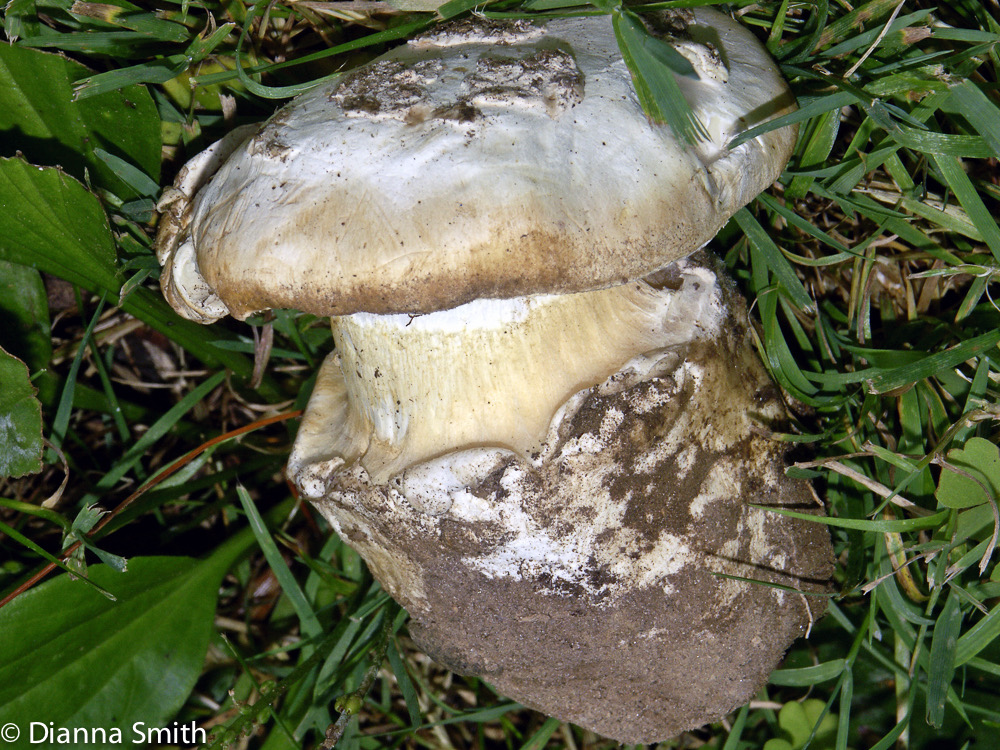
<point x="481" y="160"/>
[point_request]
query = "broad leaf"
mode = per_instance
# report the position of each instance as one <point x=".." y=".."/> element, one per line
<point x="24" y="315"/>
<point x="972" y="474"/>
<point x="74" y="658"/>
<point x="20" y="420"/>
<point x="799" y="720"/>
<point x="51" y="222"/>
<point x="40" y="119"/>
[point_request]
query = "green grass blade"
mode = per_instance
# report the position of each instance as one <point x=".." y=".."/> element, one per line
<point x="873" y="526"/>
<point x="60" y="422"/>
<point x="776" y="262"/>
<point x="733" y="739"/>
<point x="310" y="623"/>
<point x="405" y="684"/>
<point x="540" y="739"/>
<point x="968" y="196"/>
<point x="844" y="715"/>
<point x="982" y="113"/>
<point x="135" y="178"/>
<point x="889" y="379"/>
<point x="942" y="658"/>
<point x="978" y="637"/>
<point x="808" y="108"/>
<point x="806" y="676"/>
<point x="653" y="64"/>
<point x="18" y="537"/>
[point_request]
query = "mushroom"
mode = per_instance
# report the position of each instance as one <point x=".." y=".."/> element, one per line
<point x="543" y="426"/>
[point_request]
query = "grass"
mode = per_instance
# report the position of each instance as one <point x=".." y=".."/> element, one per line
<point x="871" y="265"/>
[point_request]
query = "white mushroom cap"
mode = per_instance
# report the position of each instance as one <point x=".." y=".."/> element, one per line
<point x="479" y="161"/>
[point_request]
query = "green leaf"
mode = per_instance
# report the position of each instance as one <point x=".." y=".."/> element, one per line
<point x="540" y="739"/>
<point x="70" y="657"/>
<point x="87" y="519"/>
<point x="799" y="720"/>
<point x="404" y="682"/>
<point x="34" y="510"/>
<point x="978" y="472"/>
<point x="653" y="64"/>
<point x="881" y="380"/>
<point x="961" y="184"/>
<point x="808" y="108"/>
<point x="91" y="43"/>
<point x="969" y="101"/>
<point x="152" y="71"/>
<point x="51" y="222"/>
<point x="160" y="70"/>
<point x="310" y="624"/>
<point x="846" y="25"/>
<point x="975" y="522"/>
<point x="277" y="92"/>
<point x="76" y="659"/>
<point x="944" y="643"/>
<point x="147" y="24"/>
<point x="18" y="537"/>
<point x="978" y="637"/>
<point x="808" y="676"/>
<point x="733" y="740"/>
<point x="881" y="526"/>
<point x="775" y="260"/>
<point x="39" y="118"/>
<point x="819" y="141"/>
<point x="116" y="562"/>
<point x="20" y="19"/>
<point x="20" y="420"/>
<point x="24" y="315"/>
<point x="136" y="179"/>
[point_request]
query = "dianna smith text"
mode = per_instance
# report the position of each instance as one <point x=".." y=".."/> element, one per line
<point x="140" y="734"/>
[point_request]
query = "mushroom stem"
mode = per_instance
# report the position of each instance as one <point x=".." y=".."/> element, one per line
<point x="584" y="577"/>
<point x="403" y="389"/>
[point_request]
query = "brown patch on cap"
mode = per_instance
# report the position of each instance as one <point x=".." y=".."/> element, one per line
<point x="548" y="78"/>
<point x="386" y="89"/>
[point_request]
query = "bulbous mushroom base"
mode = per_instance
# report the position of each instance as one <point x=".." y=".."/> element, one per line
<point x="602" y="579"/>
